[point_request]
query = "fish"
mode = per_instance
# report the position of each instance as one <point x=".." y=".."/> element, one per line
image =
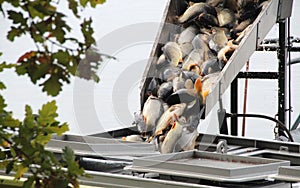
<point x="231" y="4"/>
<point x="139" y="122"/>
<point x="187" y="140"/>
<point x="242" y="34"/>
<point x="186" y="95"/>
<point x="187" y="35"/>
<point x="162" y="62"/>
<point x="188" y="84"/>
<point x="214" y="3"/>
<point x="171" y="138"/>
<point x="241" y="26"/>
<point x="168" y="117"/>
<point x="218" y="40"/>
<point x="178" y="83"/>
<point x="210" y="66"/>
<point x="229" y="48"/>
<point x="200" y="41"/>
<point x="190" y="75"/>
<point x="208" y="82"/>
<point x="172" y="53"/>
<point x="186" y="48"/>
<point x="170" y="73"/>
<point x="185" y="38"/>
<point x="152" y="111"/>
<point x="133" y="138"/>
<point x="226" y="18"/>
<point x="165" y="90"/>
<point x="249" y="9"/>
<point x="194" y="10"/>
<point x="207" y="20"/>
<point x="195" y="58"/>
<point x="153" y="87"/>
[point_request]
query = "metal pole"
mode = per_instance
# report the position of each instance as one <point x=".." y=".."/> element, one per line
<point x="282" y="65"/>
<point x="234" y="106"/>
<point x="245" y="101"/>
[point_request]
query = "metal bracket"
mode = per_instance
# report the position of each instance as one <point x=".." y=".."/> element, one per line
<point x="284" y="9"/>
<point x="222" y="146"/>
<point x="283" y="149"/>
<point x="222" y="115"/>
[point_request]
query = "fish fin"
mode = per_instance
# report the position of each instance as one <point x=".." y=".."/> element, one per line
<point x="198" y="85"/>
<point x="158" y="133"/>
<point x="204" y="94"/>
<point x="174" y="125"/>
<point x="175" y="116"/>
<point x="191" y="3"/>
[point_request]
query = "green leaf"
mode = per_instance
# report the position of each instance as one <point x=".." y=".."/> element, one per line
<point x="47" y="114"/>
<point x="95" y="77"/>
<point x="35" y="11"/>
<point x="20" y="170"/>
<point x="29" y="182"/>
<point x="37" y="37"/>
<point x="9" y="167"/>
<point x="68" y="155"/>
<point x="22" y="69"/>
<point x="16" y="17"/>
<point x="94" y="3"/>
<point x="2" y="105"/>
<point x="44" y="8"/>
<point x="69" y="158"/>
<point x="15" y="3"/>
<point x="2" y="86"/>
<point x="59" y="130"/>
<point x="83" y="2"/>
<point x="63" y="57"/>
<point x="3" y="164"/>
<point x="6" y="66"/>
<point x="2" y="156"/>
<point x="40" y="72"/>
<point x="29" y="120"/>
<point x="73" y="5"/>
<point x="87" y="31"/>
<point x="52" y="86"/>
<point x="59" y="33"/>
<point x="7" y="120"/>
<point x="43" y="139"/>
<point x="14" y="32"/>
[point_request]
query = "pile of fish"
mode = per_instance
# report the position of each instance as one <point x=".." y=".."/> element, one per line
<point x="187" y="69"/>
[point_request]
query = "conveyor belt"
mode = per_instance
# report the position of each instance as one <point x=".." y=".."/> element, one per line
<point x="273" y="11"/>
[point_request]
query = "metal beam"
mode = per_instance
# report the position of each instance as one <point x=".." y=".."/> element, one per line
<point x="234" y="106"/>
<point x="258" y="75"/>
<point x="282" y="65"/>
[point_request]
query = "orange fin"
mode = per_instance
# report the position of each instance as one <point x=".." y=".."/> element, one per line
<point x="174" y="125"/>
<point x="204" y="95"/>
<point x="198" y="85"/>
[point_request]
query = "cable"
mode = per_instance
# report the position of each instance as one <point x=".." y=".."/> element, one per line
<point x="290" y="74"/>
<point x="281" y="125"/>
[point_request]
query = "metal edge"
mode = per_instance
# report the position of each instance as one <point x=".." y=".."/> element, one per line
<point x="165" y="164"/>
<point x="114" y="180"/>
<point x="238" y="59"/>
